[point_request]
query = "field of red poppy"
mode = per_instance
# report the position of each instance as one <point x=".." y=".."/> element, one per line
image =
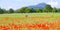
<point x="33" y="21"/>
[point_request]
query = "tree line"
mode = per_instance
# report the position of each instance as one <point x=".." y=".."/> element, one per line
<point x="46" y="9"/>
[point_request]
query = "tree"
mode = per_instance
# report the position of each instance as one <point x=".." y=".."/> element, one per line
<point x="54" y="10"/>
<point x="5" y="11"/>
<point x="47" y="8"/>
<point x="1" y="11"/>
<point x="58" y="10"/>
<point x="32" y="10"/>
<point x="25" y="10"/>
<point x="21" y="10"/>
<point x="38" y="10"/>
<point x="10" y="10"/>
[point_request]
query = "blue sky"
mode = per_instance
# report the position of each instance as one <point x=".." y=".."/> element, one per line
<point x="15" y="4"/>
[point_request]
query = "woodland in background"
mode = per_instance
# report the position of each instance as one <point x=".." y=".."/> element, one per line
<point x="46" y="9"/>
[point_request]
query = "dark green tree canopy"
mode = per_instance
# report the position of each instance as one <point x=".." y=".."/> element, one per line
<point x="54" y="10"/>
<point x="10" y="10"/>
<point x="59" y="10"/>
<point x="47" y="8"/>
<point x="25" y="10"/>
<point x="38" y="10"/>
<point x="21" y="10"/>
<point x="1" y="11"/>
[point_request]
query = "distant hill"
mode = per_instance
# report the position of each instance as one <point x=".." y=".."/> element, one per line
<point x="40" y="5"/>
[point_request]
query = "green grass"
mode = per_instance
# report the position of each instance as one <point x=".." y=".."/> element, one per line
<point x="29" y="14"/>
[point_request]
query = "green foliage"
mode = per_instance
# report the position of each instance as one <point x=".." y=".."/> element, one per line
<point x="25" y="10"/>
<point x="38" y="10"/>
<point x="47" y="8"/>
<point x="59" y="10"/>
<point x="10" y="10"/>
<point x="1" y="11"/>
<point x="32" y="10"/>
<point x="54" y="10"/>
<point x="21" y="10"/>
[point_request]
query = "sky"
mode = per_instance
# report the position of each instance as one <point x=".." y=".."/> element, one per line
<point x="16" y="4"/>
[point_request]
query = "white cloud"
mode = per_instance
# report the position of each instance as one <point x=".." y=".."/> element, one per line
<point x="53" y="3"/>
